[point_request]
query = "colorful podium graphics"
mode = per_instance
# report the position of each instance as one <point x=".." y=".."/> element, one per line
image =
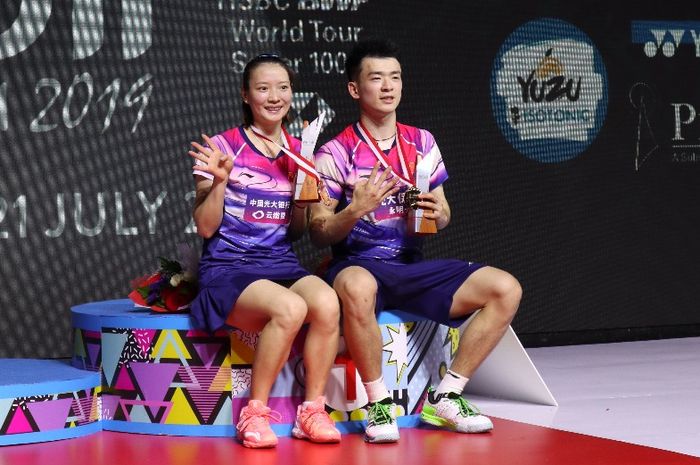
<point x="46" y="400"/>
<point x="141" y="372"/>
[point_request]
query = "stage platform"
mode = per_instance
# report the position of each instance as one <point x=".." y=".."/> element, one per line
<point x="46" y="400"/>
<point x="155" y="373"/>
<point x="158" y="374"/>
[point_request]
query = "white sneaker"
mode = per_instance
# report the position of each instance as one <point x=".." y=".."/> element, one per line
<point x="381" y="422"/>
<point x="452" y="411"/>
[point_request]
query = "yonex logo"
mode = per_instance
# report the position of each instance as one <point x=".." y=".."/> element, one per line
<point x="664" y="38"/>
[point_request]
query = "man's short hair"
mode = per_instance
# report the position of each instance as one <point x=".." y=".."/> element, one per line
<point x="371" y="48"/>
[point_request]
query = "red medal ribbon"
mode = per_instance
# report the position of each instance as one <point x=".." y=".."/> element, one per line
<point x="305" y="165"/>
<point x="379" y="153"/>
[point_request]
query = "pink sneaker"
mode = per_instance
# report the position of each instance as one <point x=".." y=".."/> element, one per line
<point x="313" y="423"/>
<point x="253" y="428"/>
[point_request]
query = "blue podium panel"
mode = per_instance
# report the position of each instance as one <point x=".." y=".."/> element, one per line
<point x="46" y="400"/>
<point x="89" y="319"/>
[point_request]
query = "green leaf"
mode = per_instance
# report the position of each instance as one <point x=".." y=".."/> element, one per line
<point x="170" y="267"/>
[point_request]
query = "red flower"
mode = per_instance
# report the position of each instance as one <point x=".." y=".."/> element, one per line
<point x="171" y="289"/>
<point x="143" y="281"/>
<point x="177" y="297"/>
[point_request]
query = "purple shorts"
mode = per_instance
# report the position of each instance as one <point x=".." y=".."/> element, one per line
<point x="220" y="287"/>
<point x="425" y="288"/>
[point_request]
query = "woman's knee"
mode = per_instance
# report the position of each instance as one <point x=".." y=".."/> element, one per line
<point x="324" y="307"/>
<point x="290" y="312"/>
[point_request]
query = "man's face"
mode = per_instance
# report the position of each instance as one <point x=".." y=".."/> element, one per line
<point x="378" y="86"/>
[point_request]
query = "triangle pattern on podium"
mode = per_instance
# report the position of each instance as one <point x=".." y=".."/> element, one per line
<point x="78" y="348"/>
<point x="170" y="345"/>
<point x="181" y="412"/>
<point x="94" y="352"/>
<point x="19" y="423"/>
<point x="207" y="352"/>
<point x="50" y="414"/>
<point x="123" y="381"/>
<point x="112" y="347"/>
<point x="154" y="379"/>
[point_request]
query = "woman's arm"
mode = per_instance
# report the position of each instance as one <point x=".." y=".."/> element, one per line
<point x="208" y="210"/>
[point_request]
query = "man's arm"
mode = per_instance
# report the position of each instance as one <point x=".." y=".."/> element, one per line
<point x="327" y="227"/>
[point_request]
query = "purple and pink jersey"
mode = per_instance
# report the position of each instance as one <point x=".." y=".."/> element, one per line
<point x="257" y="207"/>
<point x="345" y="160"/>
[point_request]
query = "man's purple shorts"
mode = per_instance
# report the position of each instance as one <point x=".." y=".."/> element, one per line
<point x="424" y="288"/>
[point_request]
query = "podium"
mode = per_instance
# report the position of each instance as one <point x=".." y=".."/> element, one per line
<point x="136" y="371"/>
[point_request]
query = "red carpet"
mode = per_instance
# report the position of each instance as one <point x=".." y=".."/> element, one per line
<point x="511" y="443"/>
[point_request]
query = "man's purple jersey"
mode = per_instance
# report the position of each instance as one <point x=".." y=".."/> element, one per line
<point x="347" y="159"/>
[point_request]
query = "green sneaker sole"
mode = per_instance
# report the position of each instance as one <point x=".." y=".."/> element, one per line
<point x="428" y="416"/>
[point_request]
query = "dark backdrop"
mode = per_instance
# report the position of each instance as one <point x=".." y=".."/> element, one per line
<point x="99" y="101"/>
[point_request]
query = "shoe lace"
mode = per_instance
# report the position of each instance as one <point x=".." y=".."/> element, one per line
<point x="317" y="419"/>
<point x="466" y="408"/>
<point x="379" y="414"/>
<point x="258" y="418"/>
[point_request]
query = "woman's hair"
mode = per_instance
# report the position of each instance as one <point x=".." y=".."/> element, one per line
<point x="248" y="70"/>
<point x="371" y="48"/>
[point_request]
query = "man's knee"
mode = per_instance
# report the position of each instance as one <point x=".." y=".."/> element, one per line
<point x="355" y="283"/>
<point x="507" y="291"/>
<point x="491" y="289"/>
<point x="357" y="290"/>
<point x="507" y="288"/>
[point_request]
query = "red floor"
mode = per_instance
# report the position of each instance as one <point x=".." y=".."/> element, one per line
<point x="511" y="443"/>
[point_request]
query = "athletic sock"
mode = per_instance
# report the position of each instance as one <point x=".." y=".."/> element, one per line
<point x="376" y="390"/>
<point x="451" y="382"/>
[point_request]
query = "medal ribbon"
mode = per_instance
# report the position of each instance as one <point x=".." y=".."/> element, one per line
<point x="379" y="153"/>
<point x="305" y="165"/>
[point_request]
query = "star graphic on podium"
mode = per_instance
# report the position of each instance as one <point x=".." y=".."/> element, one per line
<point x="398" y="349"/>
<point x="452" y="338"/>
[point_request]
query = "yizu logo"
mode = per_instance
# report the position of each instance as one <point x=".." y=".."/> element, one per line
<point x="540" y="87"/>
<point x="549" y="90"/>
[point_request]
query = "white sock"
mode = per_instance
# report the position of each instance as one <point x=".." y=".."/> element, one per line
<point x="452" y="382"/>
<point x="376" y="390"/>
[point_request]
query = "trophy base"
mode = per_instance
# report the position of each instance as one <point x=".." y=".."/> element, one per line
<point x="308" y="191"/>
<point x="418" y="225"/>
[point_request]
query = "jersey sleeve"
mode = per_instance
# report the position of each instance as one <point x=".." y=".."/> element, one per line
<point x="429" y="147"/>
<point x="331" y="165"/>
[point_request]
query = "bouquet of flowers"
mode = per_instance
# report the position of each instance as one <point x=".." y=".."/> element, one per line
<point x="171" y="288"/>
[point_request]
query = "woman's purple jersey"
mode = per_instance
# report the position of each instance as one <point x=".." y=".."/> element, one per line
<point x="257" y="207"/>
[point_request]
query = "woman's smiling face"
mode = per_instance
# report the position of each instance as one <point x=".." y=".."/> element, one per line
<point x="269" y="93"/>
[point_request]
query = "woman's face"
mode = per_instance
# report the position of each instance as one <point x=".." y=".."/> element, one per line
<point x="269" y="94"/>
